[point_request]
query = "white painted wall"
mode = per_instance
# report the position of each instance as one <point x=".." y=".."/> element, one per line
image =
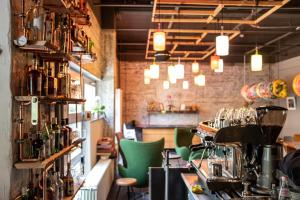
<point x="5" y="100"/>
<point x="287" y="70"/>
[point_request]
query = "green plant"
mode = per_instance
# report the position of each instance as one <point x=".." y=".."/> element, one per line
<point x="100" y="109"/>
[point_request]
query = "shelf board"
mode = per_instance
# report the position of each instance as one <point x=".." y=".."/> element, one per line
<point x="45" y="163"/>
<point x="48" y="99"/>
<point x="174" y="112"/>
<point x="39" y="47"/>
<point x="206" y="128"/>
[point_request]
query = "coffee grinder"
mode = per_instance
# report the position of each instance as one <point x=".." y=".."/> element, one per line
<point x="270" y="119"/>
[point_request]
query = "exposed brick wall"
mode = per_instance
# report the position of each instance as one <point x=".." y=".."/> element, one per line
<point x="221" y="90"/>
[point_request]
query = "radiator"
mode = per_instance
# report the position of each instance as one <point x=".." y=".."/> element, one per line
<point x="98" y="181"/>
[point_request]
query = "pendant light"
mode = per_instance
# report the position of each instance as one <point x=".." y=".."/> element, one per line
<point x="166" y="85"/>
<point x="159" y="37"/>
<point x="200" y="80"/>
<point x="221" y="66"/>
<point x="214" y="62"/>
<point x="256" y="61"/>
<point x="147" y="76"/>
<point x="154" y="71"/>
<point x="222" y="44"/>
<point x="185" y="85"/>
<point x="179" y="68"/>
<point x="195" y="67"/>
<point x="172" y="74"/>
<point x="159" y="40"/>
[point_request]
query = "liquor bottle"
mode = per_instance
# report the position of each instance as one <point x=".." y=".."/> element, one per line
<point x="45" y="78"/>
<point x="69" y="182"/>
<point x="284" y="192"/>
<point x="56" y="131"/>
<point x="60" y="183"/>
<point x="70" y="131"/>
<point x="38" y="20"/>
<point x="46" y="140"/>
<point x="29" y="23"/>
<point x="49" y="27"/>
<point x="37" y="146"/>
<point x="65" y="133"/>
<point x="52" y="81"/>
<point x="24" y="195"/>
<point x="34" y="80"/>
<point x="57" y="37"/>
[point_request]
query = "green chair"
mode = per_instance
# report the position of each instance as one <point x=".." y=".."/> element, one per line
<point x="183" y="139"/>
<point x="139" y="157"/>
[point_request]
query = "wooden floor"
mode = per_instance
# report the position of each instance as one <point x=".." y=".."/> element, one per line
<point x="141" y="193"/>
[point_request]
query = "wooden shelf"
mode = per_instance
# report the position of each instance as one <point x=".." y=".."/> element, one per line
<point x="39" y="47"/>
<point x="173" y="112"/>
<point x="45" y="163"/>
<point x="46" y="99"/>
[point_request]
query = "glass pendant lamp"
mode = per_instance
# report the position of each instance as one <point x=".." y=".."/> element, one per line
<point x="159" y="40"/>
<point x="179" y="68"/>
<point x="214" y="62"/>
<point x="172" y="74"/>
<point x="222" y="44"/>
<point x="221" y="66"/>
<point x="195" y="67"/>
<point x="166" y="85"/>
<point x="200" y="80"/>
<point x="185" y="85"/>
<point x="256" y="61"/>
<point x="154" y="71"/>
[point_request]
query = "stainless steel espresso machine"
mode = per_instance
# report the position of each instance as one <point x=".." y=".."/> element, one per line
<point x="254" y="153"/>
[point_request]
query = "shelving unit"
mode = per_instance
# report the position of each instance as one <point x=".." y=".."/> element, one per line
<point x="48" y="99"/>
<point x="45" y="163"/>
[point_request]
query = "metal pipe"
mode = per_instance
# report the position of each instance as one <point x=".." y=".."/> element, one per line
<point x="270" y="42"/>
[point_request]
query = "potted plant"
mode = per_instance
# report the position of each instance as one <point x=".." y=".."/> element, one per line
<point x="99" y="111"/>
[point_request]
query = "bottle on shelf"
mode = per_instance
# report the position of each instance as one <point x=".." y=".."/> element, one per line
<point x="68" y="181"/>
<point x="60" y="183"/>
<point x="29" y="29"/>
<point x="56" y="132"/>
<point x="49" y="27"/>
<point x="46" y="140"/>
<point x="274" y="193"/>
<point x="65" y="132"/>
<point x="52" y="81"/>
<point x="70" y="138"/>
<point x="38" y="19"/>
<point x="43" y="71"/>
<point x="24" y="195"/>
<point x="37" y="146"/>
<point x="284" y="192"/>
<point x="34" y="80"/>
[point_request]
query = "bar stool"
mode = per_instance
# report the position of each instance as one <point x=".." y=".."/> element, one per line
<point x="126" y="182"/>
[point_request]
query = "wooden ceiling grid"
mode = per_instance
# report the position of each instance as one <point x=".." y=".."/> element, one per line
<point x="202" y="15"/>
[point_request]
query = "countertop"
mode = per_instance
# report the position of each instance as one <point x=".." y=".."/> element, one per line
<point x="165" y="126"/>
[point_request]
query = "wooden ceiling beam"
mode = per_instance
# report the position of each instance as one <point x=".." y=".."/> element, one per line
<point x="218" y="2"/>
<point x="188" y="43"/>
<point x="185" y="12"/>
<point x="196" y="31"/>
<point x="269" y="12"/>
<point x="216" y="12"/>
<point x="203" y="35"/>
<point x="177" y="37"/>
<point x="185" y="52"/>
<point x="225" y="21"/>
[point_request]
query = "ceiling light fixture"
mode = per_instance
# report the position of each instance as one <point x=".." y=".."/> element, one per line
<point x="179" y="68"/>
<point x="172" y="74"/>
<point x="256" y="61"/>
<point x="185" y="85"/>
<point x="159" y="37"/>
<point x="221" y="66"/>
<point x="154" y="71"/>
<point x="214" y="62"/>
<point x="200" y="79"/>
<point x="166" y="85"/>
<point x="195" y="67"/>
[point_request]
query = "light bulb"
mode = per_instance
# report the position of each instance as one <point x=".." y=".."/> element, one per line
<point x="195" y="67"/>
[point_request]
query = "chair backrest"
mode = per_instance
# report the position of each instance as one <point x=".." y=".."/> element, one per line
<point x="183" y="137"/>
<point x="119" y="137"/>
<point x="140" y="156"/>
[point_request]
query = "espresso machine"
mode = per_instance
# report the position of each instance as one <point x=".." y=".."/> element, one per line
<point x="270" y="119"/>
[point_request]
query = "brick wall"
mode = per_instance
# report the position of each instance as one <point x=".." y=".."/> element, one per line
<point x="221" y="90"/>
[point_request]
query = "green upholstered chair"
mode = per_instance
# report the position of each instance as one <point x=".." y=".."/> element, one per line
<point x="183" y="139"/>
<point x="139" y="157"/>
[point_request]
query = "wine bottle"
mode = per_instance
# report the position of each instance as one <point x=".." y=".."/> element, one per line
<point x="37" y="146"/>
<point x="70" y="131"/>
<point x="24" y="195"/>
<point x="52" y="81"/>
<point x="65" y="133"/>
<point x="56" y="131"/>
<point x="34" y="80"/>
<point x="69" y="182"/>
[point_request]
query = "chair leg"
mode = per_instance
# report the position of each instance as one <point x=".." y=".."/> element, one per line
<point x="128" y="193"/>
<point x="133" y="193"/>
<point x="118" y="192"/>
